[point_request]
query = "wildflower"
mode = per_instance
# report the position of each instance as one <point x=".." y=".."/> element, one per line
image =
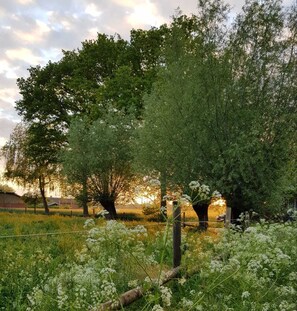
<point x="293" y="276"/>
<point x="89" y="223"/>
<point x="186" y="198"/>
<point x="204" y="188"/>
<point x="133" y="283"/>
<point x="216" y="194"/>
<point x="166" y="295"/>
<point x="192" y="292"/>
<point x="266" y="307"/>
<point x="157" y="308"/>
<point x="186" y="303"/>
<point x="147" y="280"/>
<point x="182" y="281"/>
<point x="102" y="213"/>
<point x="245" y="295"/>
<point x="194" y="185"/>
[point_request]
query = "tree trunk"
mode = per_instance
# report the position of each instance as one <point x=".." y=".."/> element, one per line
<point x="236" y="202"/>
<point x="84" y="200"/>
<point x="109" y="206"/>
<point x="42" y="192"/>
<point x="201" y="209"/>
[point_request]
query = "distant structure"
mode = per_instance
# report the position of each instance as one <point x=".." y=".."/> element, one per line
<point x="62" y="202"/>
<point x="11" y="200"/>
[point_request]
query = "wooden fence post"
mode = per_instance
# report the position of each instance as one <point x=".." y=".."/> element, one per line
<point x="228" y="217"/>
<point x="176" y="235"/>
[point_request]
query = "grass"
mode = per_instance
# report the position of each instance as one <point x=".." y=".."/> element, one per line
<point x="83" y="267"/>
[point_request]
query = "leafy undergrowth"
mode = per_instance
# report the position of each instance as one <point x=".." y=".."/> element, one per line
<point x="250" y="270"/>
<point x="230" y="270"/>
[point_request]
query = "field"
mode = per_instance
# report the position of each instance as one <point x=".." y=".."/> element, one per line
<point x="73" y="263"/>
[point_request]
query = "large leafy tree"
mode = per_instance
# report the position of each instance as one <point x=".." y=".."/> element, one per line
<point x="106" y="72"/>
<point x="98" y="158"/>
<point x="223" y="107"/>
<point x="172" y="138"/>
<point x="262" y="94"/>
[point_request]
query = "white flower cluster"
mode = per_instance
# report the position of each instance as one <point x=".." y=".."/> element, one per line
<point x="166" y="295"/>
<point x="243" y="265"/>
<point x="89" y="223"/>
<point x="102" y="213"/>
<point x="201" y="192"/>
<point x="101" y="265"/>
<point x="157" y="308"/>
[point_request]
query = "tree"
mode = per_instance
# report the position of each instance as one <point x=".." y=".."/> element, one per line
<point x="31" y="199"/>
<point x="27" y="166"/>
<point x="99" y="158"/>
<point x="220" y="109"/>
<point x="176" y="119"/>
<point x="76" y="159"/>
<point x="262" y="94"/>
<point x="106" y="72"/>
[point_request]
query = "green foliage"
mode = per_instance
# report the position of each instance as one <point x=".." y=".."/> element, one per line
<point x="73" y="271"/>
<point x="250" y="270"/>
<point x="98" y="158"/>
<point x="31" y="198"/>
<point x="253" y="270"/>
<point x="26" y="260"/>
<point x="222" y="109"/>
<point x="28" y="161"/>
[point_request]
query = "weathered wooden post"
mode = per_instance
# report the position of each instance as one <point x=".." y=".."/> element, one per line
<point x="228" y="217"/>
<point x="176" y="235"/>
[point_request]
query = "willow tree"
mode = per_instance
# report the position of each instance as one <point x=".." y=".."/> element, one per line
<point x="98" y="158"/>
<point x="222" y="110"/>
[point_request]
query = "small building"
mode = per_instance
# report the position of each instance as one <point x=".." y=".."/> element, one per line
<point x="11" y="200"/>
<point x="62" y="202"/>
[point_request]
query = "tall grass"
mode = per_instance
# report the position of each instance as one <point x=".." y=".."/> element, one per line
<point x="231" y="270"/>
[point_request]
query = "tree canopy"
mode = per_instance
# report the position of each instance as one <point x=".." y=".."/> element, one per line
<point x="222" y="110"/>
<point x="212" y="101"/>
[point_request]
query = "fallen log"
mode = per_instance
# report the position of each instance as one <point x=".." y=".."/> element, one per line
<point x="136" y="293"/>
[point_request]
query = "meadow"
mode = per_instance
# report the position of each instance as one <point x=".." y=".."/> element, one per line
<point x="74" y="263"/>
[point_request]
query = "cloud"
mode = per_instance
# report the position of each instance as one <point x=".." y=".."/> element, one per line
<point x="144" y="14"/>
<point x="92" y="10"/>
<point x="36" y="35"/>
<point x="6" y="129"/>
<point x="24" y="54"/>
<point x="7" y="96"/>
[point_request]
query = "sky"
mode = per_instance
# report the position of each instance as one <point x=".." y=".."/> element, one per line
<point x="32" y="32"/>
